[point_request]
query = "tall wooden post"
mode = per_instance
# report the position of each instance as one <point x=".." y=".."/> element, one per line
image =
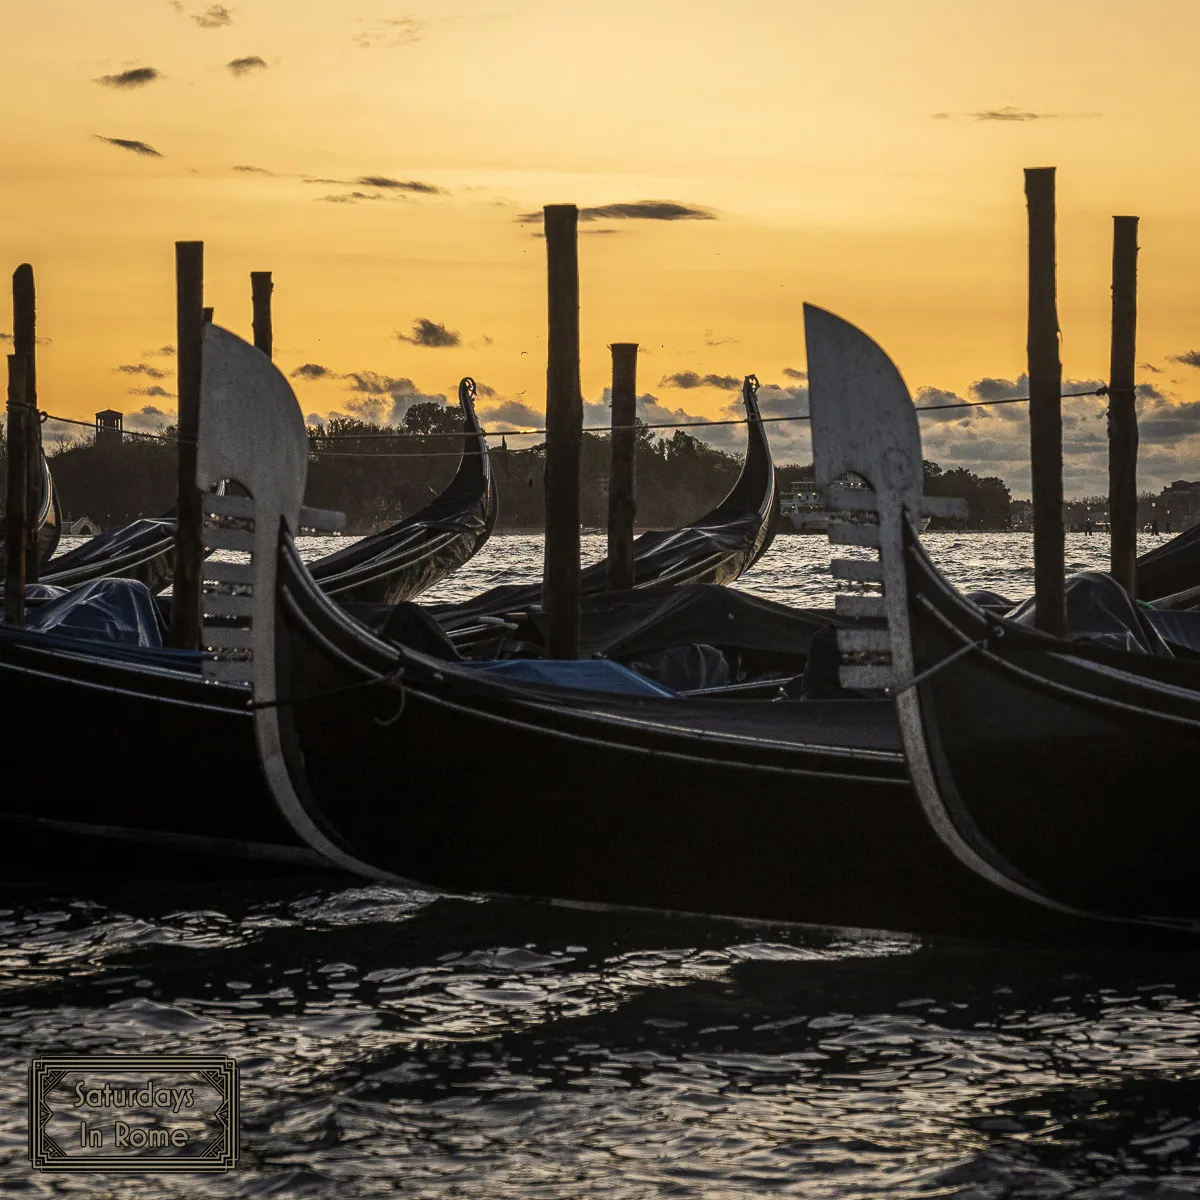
<point x="1122" y="410"/>
<point x="17" y="515"/>
<point x="622" y="501"/>
<point x="564" y="433"/>
<point x="189" y="537"/>
<point x="261" y="288"/>
<point x="25" y="345"/>
<point x="1045" y="407"/>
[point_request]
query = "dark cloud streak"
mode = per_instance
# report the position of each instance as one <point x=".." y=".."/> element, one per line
<point x="243" y="66"/>
<point x="135" y="77"/>
<point x="135" y="147"/>
<point x="430" y="334"/>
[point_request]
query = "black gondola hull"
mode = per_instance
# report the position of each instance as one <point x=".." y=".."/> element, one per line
<point x="124" y="766"/>
<point x="799" y="812"/>
<point x="1072" y="767"/>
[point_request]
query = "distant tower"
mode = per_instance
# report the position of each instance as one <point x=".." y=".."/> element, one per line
<point x="108" y="429"/>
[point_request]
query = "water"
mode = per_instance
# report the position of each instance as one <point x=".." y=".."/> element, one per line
<point x="394" y="1042"/>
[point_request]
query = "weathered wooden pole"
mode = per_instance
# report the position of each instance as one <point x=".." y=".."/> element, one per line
<point x="1122" y="410"/>
<point x="622" y="502"/>
<point x="189" y="538"/>
<point x="261" y="288"/>
<point x="17" y="515"/>
<point x="1045" y="407"/>
<point x="25" y="345"/>
<point x="564" y="433"/>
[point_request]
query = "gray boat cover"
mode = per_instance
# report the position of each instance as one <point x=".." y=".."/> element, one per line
<point x="116" y="611"/>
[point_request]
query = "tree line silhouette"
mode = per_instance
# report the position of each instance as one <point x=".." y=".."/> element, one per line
<point x="375" y="478"/>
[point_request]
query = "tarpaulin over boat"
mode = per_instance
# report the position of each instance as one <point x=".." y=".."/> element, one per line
<point x="120" y="611"/>
<point x="592" y="675"/>
<point x="1180" y="630"/>
<point x="1099" y="611"/>
<point x="117" y="543"/>
<point x="695" y="636"/>
<point x="1172" y="567"/>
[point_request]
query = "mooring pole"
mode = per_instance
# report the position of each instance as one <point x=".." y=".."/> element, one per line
<point x="189" y="536"/>
<point x="25" y="345"/>
<point x="564" y="433"/>
<point x="1122" y="410"/>
<point x="16" y="491"/>
<point x="261" y="288"/>
<point x="622" y="497"/>
<point x="1045" y="407"/>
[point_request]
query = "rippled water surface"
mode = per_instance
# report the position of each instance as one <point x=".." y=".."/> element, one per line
<point x="394" y="1042"/>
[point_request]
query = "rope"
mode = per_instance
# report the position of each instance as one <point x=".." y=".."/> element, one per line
<point x="317" y="437"/>
<point x="395" y="680"/>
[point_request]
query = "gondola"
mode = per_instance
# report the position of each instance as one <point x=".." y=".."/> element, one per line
<point x="398" y="563"/>
<point x="586" y="785"/>
<point x="1169" y="575"/>
<point x="143" y="550"/>
<point x="49" y="518"/>
<point x="1057" y="770"/>
<point x="717" y="547"/>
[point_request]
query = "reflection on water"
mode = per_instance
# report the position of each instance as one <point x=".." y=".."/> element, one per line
<point x="397" y="1043"/>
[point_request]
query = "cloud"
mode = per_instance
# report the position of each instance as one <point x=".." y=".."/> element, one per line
<point x="690" y="379"/>
<point x="482" y="389"/>
<point x="403" y="185"/>
<point x="135" y="77"/>
<point x="1147" y="391"/>
<point x="1189" y="358"/>
<point x="349" y="198"/>
<point x="935" y="398"/>
<point x="511" y="414"/>
<point x="1150" y="367"/>
<point x="429" y="333"/>
<point x="243" y="66"/>
<point x="213" y="17"/>
<point x="149" y="419"/>
<point x="388" y="33"/>
<point x="246" y="170"/>
<point x="311" y="371"/>
<point x="636" y="210"/>
<point x="38" y="341"/>
<point x="131" y="145"/>
<point x="991" y="388"/>
<point x="1009" y="114"/>
<point x="142" y="369"/>
<point x="374" y="384"/>
<point x="796" y="373"/>
<point x="1169" y="424"/>
<point x="710" y="339"/>
<point x="162" y="351"/>
<point x="153" y="390"/>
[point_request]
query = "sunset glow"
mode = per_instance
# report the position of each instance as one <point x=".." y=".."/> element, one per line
<point x="866" y="156"/>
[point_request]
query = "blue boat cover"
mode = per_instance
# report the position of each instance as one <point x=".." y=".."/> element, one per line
<point x="120" y="611"/>
<point x="586" y="674"/>
<point x="1180" y="628"/>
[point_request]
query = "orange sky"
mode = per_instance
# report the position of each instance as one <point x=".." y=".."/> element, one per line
<point x="808" y="131"/>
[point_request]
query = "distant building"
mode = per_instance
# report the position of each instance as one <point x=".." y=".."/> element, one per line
<point x="1020" y="514"/>
<point x="109" y="424"/>
<point x="1179" y="504"/>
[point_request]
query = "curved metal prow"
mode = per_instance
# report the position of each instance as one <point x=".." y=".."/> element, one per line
<point x="252" y="432"/>
<point x="864" y="424"/>
<point x="476" y="462"/>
